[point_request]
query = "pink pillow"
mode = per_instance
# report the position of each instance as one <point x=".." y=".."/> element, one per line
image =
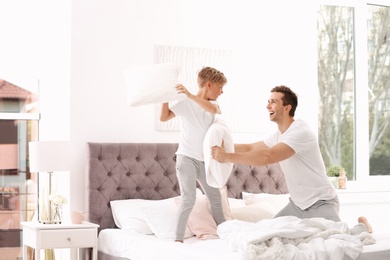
<point x="201" y="221"/>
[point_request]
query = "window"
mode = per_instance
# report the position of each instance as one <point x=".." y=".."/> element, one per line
<point x="336" y="86"/>
<point x="379" y="88"/>
<point x="18" y="187"/>
<point x="353" y="80"/>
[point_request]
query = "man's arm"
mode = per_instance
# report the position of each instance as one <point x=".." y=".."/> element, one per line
<point x="242" y="148"/>
<point x="258" y="154"/>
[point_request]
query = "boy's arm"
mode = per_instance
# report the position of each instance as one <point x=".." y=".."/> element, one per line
<point x="165" y="113"/>
<point x="205" y="104"/>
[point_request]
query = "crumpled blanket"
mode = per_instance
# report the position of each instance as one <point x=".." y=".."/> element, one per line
<point x="293" y="238"/>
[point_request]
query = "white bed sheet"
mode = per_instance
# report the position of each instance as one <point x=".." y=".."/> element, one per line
<point x="136" y="246"/>
<point x="380" y="250"/>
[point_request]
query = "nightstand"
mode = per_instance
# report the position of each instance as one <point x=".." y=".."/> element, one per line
<point x="50" y="236"/>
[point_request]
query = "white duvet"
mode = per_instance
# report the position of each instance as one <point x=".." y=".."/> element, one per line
<point x="293" y="238"/>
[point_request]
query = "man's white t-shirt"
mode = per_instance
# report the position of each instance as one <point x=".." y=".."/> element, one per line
<point x="305" y="171"/>
<point x="195" y="121"/>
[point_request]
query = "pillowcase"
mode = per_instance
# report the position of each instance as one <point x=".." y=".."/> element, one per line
<point x="253" y="212"/>
<point x="160" y="215"/>
<point x="201" y="221"/>
<point x="258" y="206"/>
<point x="128" y="216"/>
<point x="280" y="200"/>
<point x="217" y="173"/>
<point x="152" y="84"/>
<point x="236" y="203"/>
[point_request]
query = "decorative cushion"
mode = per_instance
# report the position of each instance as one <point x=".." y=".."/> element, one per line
<point x="161" y="215"/>
<point x="258" y="206"/>
<point x="236" y="203"/>
<point x="201" y="221"/>
<point x="279" y="201"/>
<point x="253" y="213"/>
<point x="128" y="216"/>
<point x="152" y="84"/>
<point x="158" y="217"/>
<point x="217" y="173"/>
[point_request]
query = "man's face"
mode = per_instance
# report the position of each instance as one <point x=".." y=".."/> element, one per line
<point x="275" y="106"/>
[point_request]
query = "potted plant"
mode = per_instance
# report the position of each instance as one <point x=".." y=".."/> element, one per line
<point x="333" y="173"/>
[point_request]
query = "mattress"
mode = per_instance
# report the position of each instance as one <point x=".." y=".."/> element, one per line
<point x="136" y="246"/>
<point x="381" y="249"/>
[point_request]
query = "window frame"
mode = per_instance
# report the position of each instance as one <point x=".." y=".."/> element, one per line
<point x="23" y="116"/>
<point x="363" y="180"/>
<point x="20" y="116"/>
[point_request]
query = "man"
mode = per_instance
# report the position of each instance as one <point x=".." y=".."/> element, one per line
<point x="295" y="147"/>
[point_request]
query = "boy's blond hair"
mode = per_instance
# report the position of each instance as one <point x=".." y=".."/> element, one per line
<point x="211" y="74"/>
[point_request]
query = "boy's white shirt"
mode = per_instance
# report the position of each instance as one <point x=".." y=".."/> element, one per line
<point x="195" y="121"/>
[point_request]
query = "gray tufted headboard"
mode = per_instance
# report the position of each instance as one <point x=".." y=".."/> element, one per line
<point x="147" y="171"/>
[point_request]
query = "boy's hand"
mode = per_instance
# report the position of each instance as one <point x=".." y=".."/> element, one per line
<point x="181" y="89"/>
<point x="201" y="101"/>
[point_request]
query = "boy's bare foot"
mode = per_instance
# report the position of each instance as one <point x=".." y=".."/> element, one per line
<point x="180" y="241"/>
<point x="365" y="221"/>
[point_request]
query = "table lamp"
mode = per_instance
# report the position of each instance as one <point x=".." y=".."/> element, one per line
<point x="49" y="156"/>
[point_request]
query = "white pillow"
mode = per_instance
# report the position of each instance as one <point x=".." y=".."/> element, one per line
<point x="251" y="198"/>
<point x="128" y="216"/>
<point x="152" y="84"/>
<point x="217" y="173"/>
<point x="253" y="212"/>
<point x="161" y="215"/>
<point x="259" y="206"/>
<point x="201" y="221"/>
<point x="236" y="203"/>
<point x="271" y="202"/>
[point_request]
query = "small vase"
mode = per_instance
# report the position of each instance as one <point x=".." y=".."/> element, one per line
<point x="334" y="181"/>
<point x="57" y="215"/>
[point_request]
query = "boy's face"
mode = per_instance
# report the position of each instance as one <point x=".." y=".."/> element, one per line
<point x="215" y="89"/>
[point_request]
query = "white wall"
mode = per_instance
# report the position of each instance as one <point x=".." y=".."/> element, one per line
<point x="277" y="42"/>
<point x="35" y="55"/>
<point x="109" y="36"/>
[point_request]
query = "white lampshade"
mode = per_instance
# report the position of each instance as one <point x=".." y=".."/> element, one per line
<point x="49" y="156"/>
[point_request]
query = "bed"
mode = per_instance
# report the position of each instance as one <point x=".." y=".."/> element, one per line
<point x="132" y="193"/>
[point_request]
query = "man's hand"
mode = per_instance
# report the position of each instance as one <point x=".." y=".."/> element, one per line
<point x="218" y="153"/>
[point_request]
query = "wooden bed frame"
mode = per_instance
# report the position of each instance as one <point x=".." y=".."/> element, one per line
<point x="117" y="171"/>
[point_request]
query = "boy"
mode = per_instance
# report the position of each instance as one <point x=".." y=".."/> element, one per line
<point x="197" y="113"/>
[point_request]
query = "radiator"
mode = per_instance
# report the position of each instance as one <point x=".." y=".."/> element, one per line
<point x="373" y="205"/>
